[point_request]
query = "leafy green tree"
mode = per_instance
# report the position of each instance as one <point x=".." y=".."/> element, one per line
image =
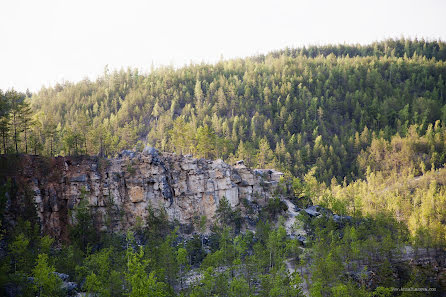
<point x="198" y="91"/>
<point x="46" y="283"/>
<point x="139" y="282"/>
<point x="16" y="106"/>
<point x="36" y="134"/>
<point x="167" y="259"/>
<point x="26" y="121"/>
<point x="4" y="119"/>
<point x="82" y="232"/>
<point x="265" y="156"/>
<point x="246" y="152"/>
<point x="100" y="276"/>
<point x="239" y="288"/>
<point x="94" y="286"/>
<point x="45" y="244"/>
<point x="224" y="213"/>
<point x="19" y="249"/>
<point x="50" y="132"/>
<point x="276" y="246"/>
<point x="280" y="284"/>
<point x="206" y="141"/>
<point x="183" y="263"/>
<point x="182" y="136"/>
<point x="84" y="125"/>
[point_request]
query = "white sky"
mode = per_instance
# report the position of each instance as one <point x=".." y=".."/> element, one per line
<point x="48" y="41"/>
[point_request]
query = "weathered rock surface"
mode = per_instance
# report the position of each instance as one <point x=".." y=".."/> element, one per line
<point x="119" y="190"/>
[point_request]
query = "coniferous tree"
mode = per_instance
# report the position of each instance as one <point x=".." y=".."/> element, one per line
<point x="16" y="101"/>
<point x="26" y="121"/>
<point x="4" y="120"/>
<point x="206" y="142"/>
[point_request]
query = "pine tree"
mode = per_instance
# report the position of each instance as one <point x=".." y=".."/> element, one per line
<point x="16" y="101"/>
<point x="47" y="284"/>
<point x="141" y="284"/>
<point x="4" y="119"/>
<point x="179" y="135"/>
<point x="50" y="132"/>
<point x="206" y="142"/>
<point x="26" y="121"/>
<point x="265" y="156"/>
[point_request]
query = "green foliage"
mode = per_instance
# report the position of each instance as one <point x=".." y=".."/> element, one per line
<point x="182" y="136"/>
<point x="293" y="109"/>
<point x="130" y="169"/>
<point x="214" y="260"/>
<point x="206" y="142"/>
<point x="4" y="192"/>
<point x="157" y="225"/>
<point x="46" y="283"/>
<point x="195" y="250"/>
<point x="15" y="121"/>
<point x="139" y="282"/>
<point x="82" y="232"/>
<point x="412" y="154"/>
<point x="239" y="288"/>
<point x="276" y="247"/>
<point x="207" y="285"/>
<point x="100" y="276"/>
<point x="45" y="244"/>
<point x="382" y="292"/>
<point x="167" y="259"/>
<point x="67" y="259"/>
<point x="281" y="284"/>
<point x="226" y="216"/>
<point x="20" y="253"/>
<point x="274" y="207"/>
<point x="357" y="129"/>
<point x="265" y="157"/>
<point x="181" y="257"/>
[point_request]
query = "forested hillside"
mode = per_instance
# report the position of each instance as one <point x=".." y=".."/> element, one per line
<point x="359" y="132"/>
<point x="292" y="109"/>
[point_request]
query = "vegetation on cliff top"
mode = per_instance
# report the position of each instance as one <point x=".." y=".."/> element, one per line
<point x="292" y="109"/>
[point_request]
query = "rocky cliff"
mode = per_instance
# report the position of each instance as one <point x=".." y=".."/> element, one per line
<point x="119" y="190"/>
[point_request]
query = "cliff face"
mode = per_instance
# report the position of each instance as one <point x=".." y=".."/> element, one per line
<point x="119" y="190"/>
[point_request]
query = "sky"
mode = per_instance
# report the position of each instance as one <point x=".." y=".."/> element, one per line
<point x="43" y="42"/>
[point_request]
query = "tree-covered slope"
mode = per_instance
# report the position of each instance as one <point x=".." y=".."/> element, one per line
<point x="291" y="109"/>
<point x="359" y="132"/>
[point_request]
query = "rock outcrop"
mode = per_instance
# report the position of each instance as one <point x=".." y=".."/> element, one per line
<point x="119" y="190"/>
